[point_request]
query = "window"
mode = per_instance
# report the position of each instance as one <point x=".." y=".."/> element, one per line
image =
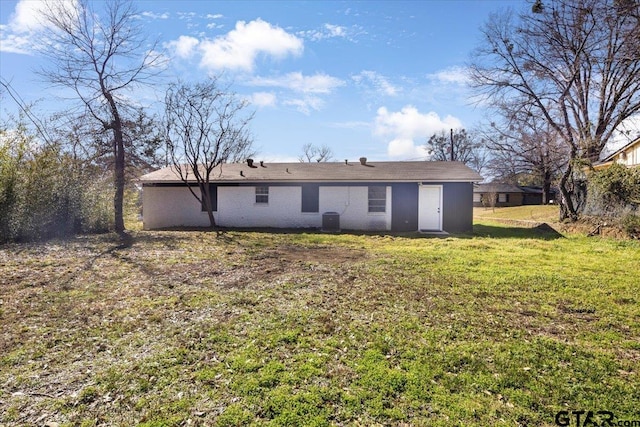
<point x="262" y="194"/>
<point x="503" y="198"/>
<point x="377" y="199"/>
<point x="477" y="197"/>
<point x="213" y="193"/>
<point x="310" y="197"/>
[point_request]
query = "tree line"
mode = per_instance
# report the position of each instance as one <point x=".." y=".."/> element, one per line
<point x="559" y="78"/>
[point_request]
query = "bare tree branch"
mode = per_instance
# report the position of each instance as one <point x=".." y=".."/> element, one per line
<point x="205" y="127"/>
<point x="572" y="63"/>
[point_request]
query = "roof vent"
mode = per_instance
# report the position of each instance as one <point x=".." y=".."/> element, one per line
<point x="346" y="161"/>
<point x="250" y="162"/>
<point x="262" y="163"/>
<point x="241" y="173"/>
<point x="363" y="161"/>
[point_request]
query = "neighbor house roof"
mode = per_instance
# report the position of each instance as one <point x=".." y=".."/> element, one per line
<point x="329" y="172"/>
<point x="496" y="187"/>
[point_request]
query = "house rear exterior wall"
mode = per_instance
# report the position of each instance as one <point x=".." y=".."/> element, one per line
<point x="457" y="206"/>
<point x="404" y="206"/>
<point x="171" y="206"/>
<point x="352" y="203"/>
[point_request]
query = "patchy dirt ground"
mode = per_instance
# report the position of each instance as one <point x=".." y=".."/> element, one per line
<point x="71" y="309"/>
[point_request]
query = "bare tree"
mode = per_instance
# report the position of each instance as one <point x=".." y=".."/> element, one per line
<point x="457" y="145"/>
<point x="490" y="197"/>
<point x="575" y="63"/>
<point x="205" y="127"/>
<point x="525" y="145"/>
<point x="312" y="152"/>
<point x="100" y="56"/>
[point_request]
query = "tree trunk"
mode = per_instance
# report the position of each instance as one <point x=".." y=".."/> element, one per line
<point x="567" y="210"/>
<point x="206" y="192"/>
<point x="119" y="164"/>
<point x="118" y="198"/>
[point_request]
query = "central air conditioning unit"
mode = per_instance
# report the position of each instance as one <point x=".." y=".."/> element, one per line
<point x="331" y="221"/>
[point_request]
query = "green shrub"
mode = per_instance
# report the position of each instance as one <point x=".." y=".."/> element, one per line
<point x="631" y="225"/>
<point x="46" y="193"/>
<point x="616" y="186"/>
<point x="614" y="190"/>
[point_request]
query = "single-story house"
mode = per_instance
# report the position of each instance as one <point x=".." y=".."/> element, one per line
<point x="497" y="195"/>
<point x="391" y="196"/>
<point x="628" y="155"/>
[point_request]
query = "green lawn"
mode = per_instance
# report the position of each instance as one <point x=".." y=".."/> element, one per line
<point x="503" y="327"/>
<point x="548" y="213"/>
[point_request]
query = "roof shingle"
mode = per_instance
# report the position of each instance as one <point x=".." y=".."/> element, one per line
<point x="329" y="172"/>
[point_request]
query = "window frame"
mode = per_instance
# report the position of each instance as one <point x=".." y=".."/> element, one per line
<point x="379" y="204"/>
<point x="262" y="195"/>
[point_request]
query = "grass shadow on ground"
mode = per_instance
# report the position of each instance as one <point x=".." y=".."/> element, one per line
<point x="541" y="232"/>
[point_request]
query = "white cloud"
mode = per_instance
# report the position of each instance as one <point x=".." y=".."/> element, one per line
<point x="263" y="99"/>
<point x="335" y="30"/>
<point x="330" y="31"/>
<point x="184" y="46"/>
<point x="326" y="32"/>
<point x="21" y="34"/>
<point x="13" y="43"/>
<point x="375" y="81"/>
<point x="28" y="14"/>
<point x="452" y="75"/>
<point x="407" y="130"/>
<point x="306" y="105"/>
<point x="317" y="83"/>
<point x="153" y="15"/>
<point x="239" y="48"/>
<point x="216" y="16"/>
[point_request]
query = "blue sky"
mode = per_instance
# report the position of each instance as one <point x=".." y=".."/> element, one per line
<point x="370" y="78"/>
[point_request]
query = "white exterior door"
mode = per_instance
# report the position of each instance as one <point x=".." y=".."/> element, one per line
<point x="430" y="208"/>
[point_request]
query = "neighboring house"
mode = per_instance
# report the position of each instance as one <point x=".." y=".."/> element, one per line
<point x="391" y="196"/>
<point x="497" y="195"/>
<point x="533" y="195"/>
<point x="629" y="155"/>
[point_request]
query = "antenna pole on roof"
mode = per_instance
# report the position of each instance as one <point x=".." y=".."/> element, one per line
<point x="452" y="155"/>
